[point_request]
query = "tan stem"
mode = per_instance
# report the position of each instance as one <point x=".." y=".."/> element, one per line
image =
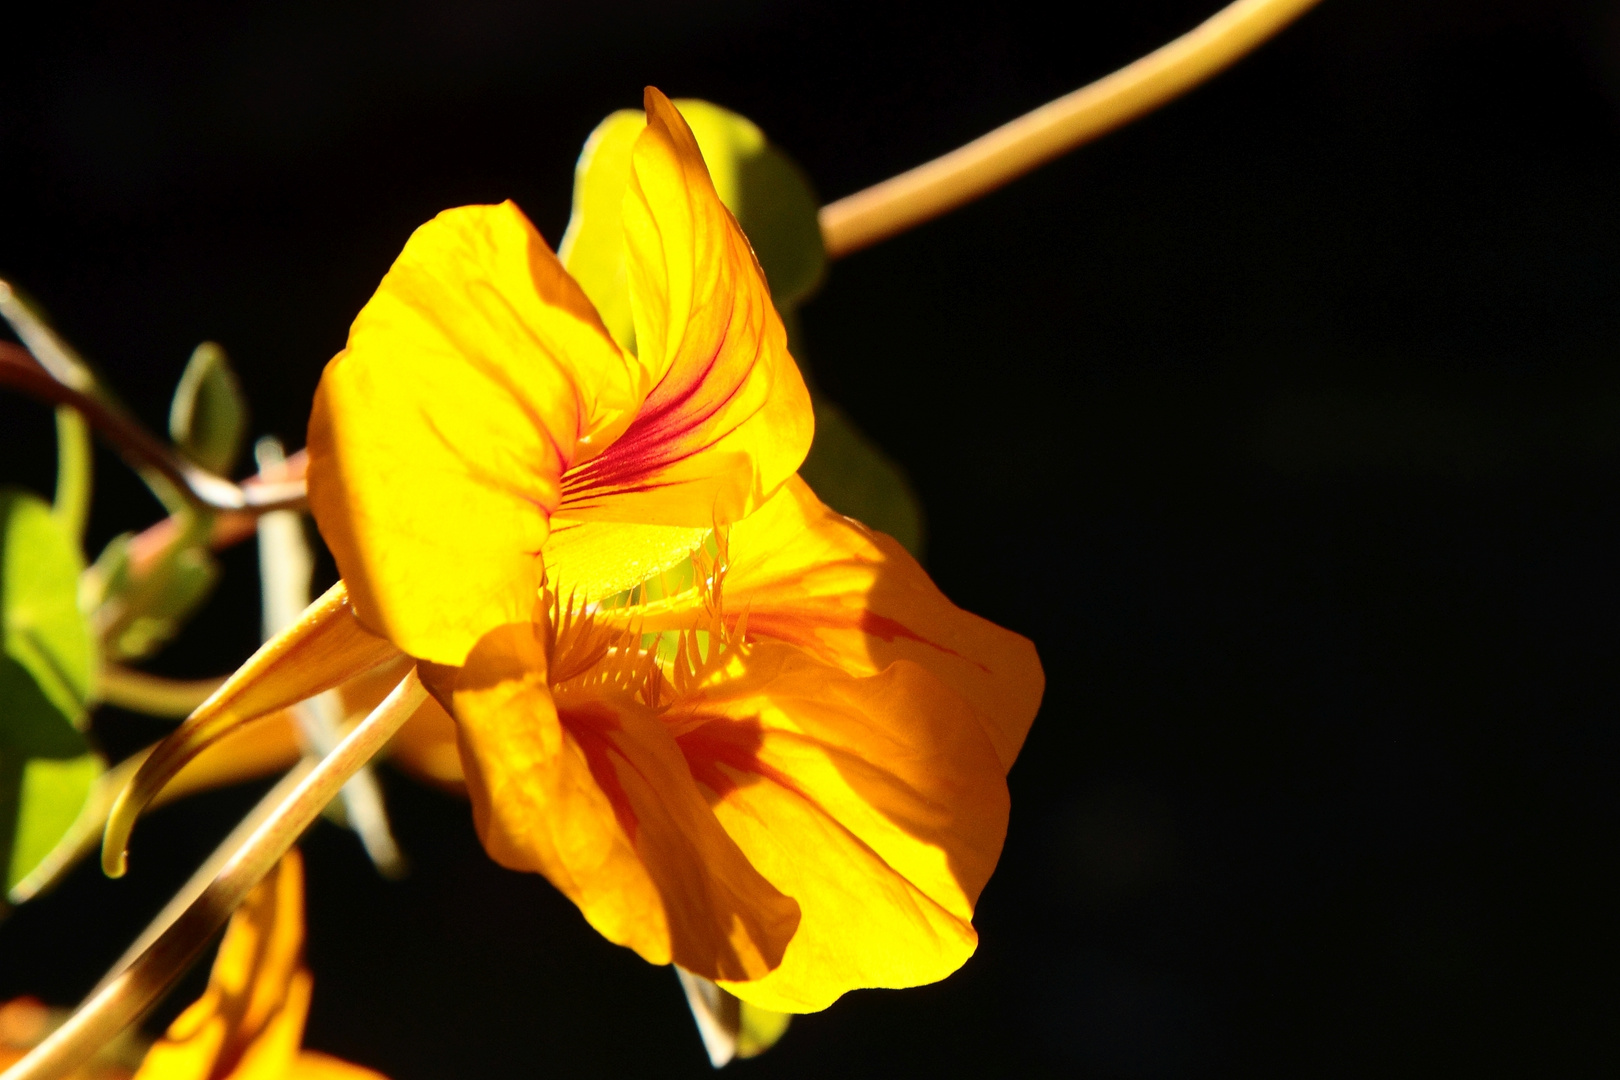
<point x="200" y="878"/>
<point x="153" y="694"/>
<point x="1015" y="148"/>
<point x="125" y="997"/>
<point x="45" y="370"/>
<point x="227" y="528"/>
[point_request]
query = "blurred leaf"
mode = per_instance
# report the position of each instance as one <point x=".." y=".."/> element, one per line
<point x="777" y="209"/>
<point x="853" y="476"/>
<point x="49" y="797"/>
<point x="592" y="246"/>
<point x="770" y="196"/>
<point x="137" y="612"/>
<point x="74" y="457"/>
<point x="208" y="418"/>
<point x="47" y="656"/>
<point x="759" y="1029"/>
<point x="758" y="182"/>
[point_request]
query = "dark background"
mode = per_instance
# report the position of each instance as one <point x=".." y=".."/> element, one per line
<point x="1286" y="422"/>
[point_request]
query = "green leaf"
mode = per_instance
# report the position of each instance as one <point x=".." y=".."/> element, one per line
<point x="759" y="1029"/>
<point x="74" y="458"/>
<point x="140" y="613"/>
<point x="768" y="193"/>
<point x="853" y="476"/>
<point x="208" y="418"/>
<point x="47" y="799"/>
<point x="45" y="645"/>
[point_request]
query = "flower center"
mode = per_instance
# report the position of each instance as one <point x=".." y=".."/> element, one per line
<point x="599" y="649"/>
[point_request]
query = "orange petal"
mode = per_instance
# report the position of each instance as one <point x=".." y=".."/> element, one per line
<point x="807" y="575"/>
<point x="270" y="745"/>
<point x="600" y="801"/>
<point x="314" y="1065"/>
<point x="875" y="801"/>
<point x="727" y="418"/>
<point x="425" y="745"/>
<point x="325" y="647"/>
<point x="472" y="380"/>
<point x="250" y="1019"/>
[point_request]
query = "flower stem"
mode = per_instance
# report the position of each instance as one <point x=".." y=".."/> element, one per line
<point x="1015" y="148"/>
<point x="48" y="369"/>
<point x="124" y="998"/>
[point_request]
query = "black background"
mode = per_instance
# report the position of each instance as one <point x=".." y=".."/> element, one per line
<point x="1286" y="422"/>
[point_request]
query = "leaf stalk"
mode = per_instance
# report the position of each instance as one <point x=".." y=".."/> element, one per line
<point x="969" y="172"/>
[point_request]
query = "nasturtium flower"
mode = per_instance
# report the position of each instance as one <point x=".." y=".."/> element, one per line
<point x="249" y="1022"/>
<point x="743" y="733"/>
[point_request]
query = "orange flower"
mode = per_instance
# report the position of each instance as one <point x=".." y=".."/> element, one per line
<point x="743" y="733"/>
<point x="249" y="1022"/>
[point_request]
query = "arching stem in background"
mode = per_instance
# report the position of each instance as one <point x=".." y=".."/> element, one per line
<point x="73" y="469"/>
<point x="125" y="997"/>
<point x="47" y="369"/>
<point x="153" y="694"/>
<point x="847" y="225"/>
<point x="1015" y="148"/>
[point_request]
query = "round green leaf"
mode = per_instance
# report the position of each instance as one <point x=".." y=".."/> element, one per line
<point x="768" y="193"/>
<point x="45" y="645"/>
<point x="49" y="798"/>
<point x="853" y="476"/>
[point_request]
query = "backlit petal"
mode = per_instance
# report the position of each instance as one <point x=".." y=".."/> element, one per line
<point x="325" y="647"/>
<point x="593" y="560"/>
<point x="270" y="745"/>
<point x="807" y="575"/>
<point x="875" y="801"/>
<point x="472" y="380"/>
<point x="250" y="1019"/>
<point x="727" y="418"/>
<point x="314" y="1065"/>
<point x="425" y="745"/>
<point x="600" y="801"/>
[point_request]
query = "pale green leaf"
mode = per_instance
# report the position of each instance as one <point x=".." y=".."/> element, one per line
<point x="208" y="417"/>
<point x="759" y="1029"/>
<point x="45" y="645"/>
<point x="853" y="476"/>
<point x="140" y="613"/>
<point x="50" y="795"/>
<point x="769" y="195"/>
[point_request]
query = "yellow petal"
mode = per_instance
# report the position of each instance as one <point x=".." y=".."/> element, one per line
<point x="600" y="801"/>
<point x="270" y="745"/>
<point x="472" y="380"/>
<point x="425" y="746"/>
<point x="314" y="1065"/>
<point x="727" y="418"/>
<point x="593" y="560"/>
<point x="250" y="1019"/>
<point x="325" y="647"/>
<point x="875" y="801"/>
<point x="807" y="575"/>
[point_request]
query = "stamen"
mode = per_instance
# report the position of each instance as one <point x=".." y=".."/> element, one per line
<point x="601" y="648"/>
